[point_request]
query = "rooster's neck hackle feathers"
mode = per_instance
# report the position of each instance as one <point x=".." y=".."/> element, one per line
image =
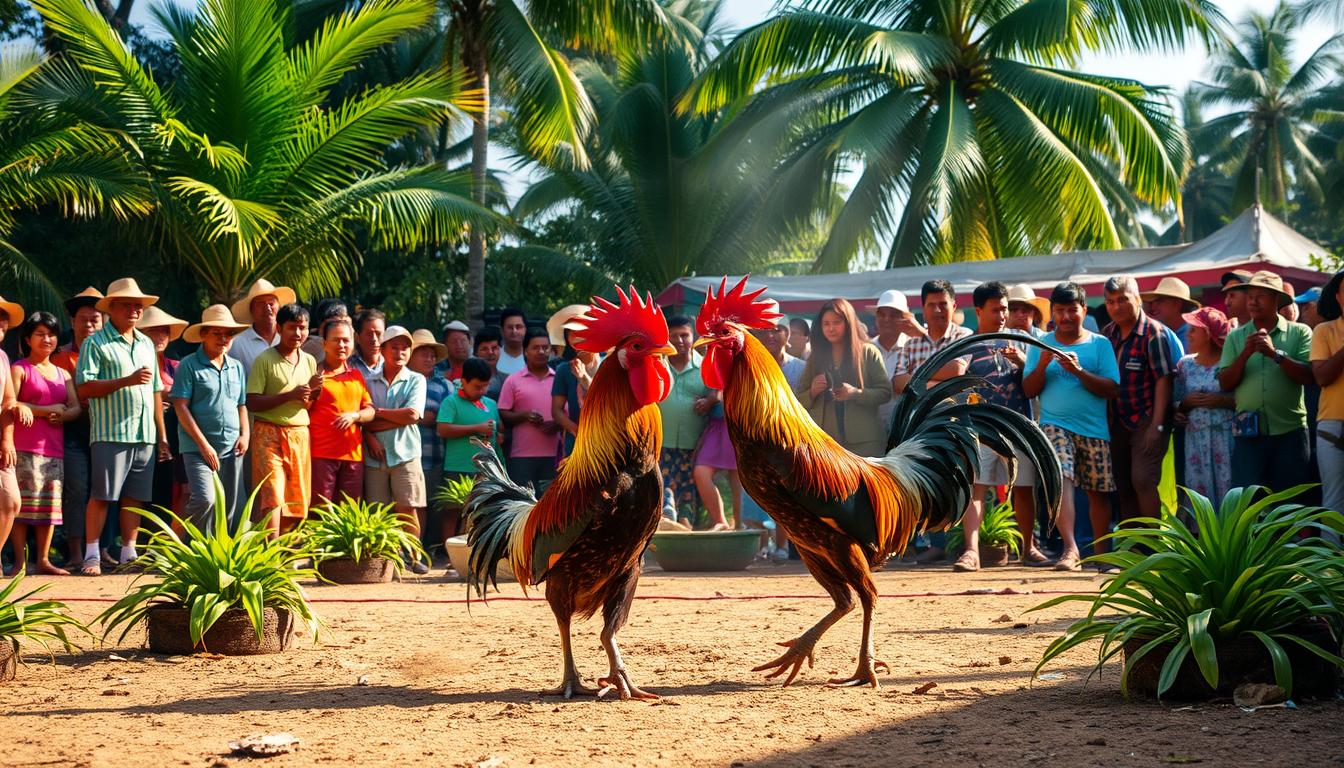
<point x="735" y="306"/>
<point x="605" y="325"/>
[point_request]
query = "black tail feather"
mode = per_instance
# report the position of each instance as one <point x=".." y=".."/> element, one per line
<point x="491" y="514"/>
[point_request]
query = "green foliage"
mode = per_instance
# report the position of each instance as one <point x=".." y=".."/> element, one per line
<point x="360" y="531"/>
<point x="454" y="493"/>
<point x="998" y="529"/>
<point x="240" y="569"/>
<point x="1248" y="573"/>
<point x="37" y="621"/>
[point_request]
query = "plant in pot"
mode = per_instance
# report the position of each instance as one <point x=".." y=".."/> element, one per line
<point x="23" y="619"/>
<point x="1253" y="597"/>
<point x="234" y="592"/>
<point x="999" y="537"/>
<point x="357" y="542"/>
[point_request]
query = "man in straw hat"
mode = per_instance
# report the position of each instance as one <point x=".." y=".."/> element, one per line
<point x="1327" y="363"/>
<point x="118" y="375"/>
<point x="209" y="396"/>
<point x="392" y="450"/>
<point x="1027" y="312"/>
<point x="281" y="385"/>
<point x="170" y="480"/>
<point x="1265" y="361"/>
<point x="258" y="308"/>
<point x="86" y="320"/>
<point x="1170" y="300"/>
<point x="426" y="353"/>
<point x="11" y="315"/>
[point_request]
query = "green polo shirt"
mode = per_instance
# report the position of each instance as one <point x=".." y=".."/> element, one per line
<point x="681" y="424"/>
<point x="213" y="394"/>
<point x="1265" y="389"/>
<point x="126" y="415"/>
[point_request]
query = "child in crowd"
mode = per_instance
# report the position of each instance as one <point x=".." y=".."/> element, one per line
<point x="465" y="414"/>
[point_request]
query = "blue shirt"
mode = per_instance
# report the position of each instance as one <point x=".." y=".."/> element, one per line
<point x="1065" y="402"/>
<point x="431" y="445"/>
<point x="213" y="396"/>
<point x="400" y="444"/>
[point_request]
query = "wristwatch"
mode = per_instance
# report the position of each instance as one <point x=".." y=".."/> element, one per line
<point x="1162" y="428"/>
<point x="1278" y="357"/>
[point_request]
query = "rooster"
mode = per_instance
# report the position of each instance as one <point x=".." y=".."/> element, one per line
<point x="586" y="535"/>
<point x="848" y="514"/>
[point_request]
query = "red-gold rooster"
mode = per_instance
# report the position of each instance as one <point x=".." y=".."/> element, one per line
<point x="847" y="514"/>
<point x="584" y="538"/>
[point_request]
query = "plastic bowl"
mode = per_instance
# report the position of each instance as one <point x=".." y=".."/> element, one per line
<point x="458" y="552"/>
<point x="705" y="550"/>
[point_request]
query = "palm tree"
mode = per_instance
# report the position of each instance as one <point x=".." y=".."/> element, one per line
<point x="1276" y="109"/>
<point x="516" y="47"/>
<point x="256" y="167"/>
<point x="665" y="194"/>
<point x="970" y="114"/>
<point x="48" y="157"/>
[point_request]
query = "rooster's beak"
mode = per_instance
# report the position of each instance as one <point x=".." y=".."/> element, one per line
<point x="702" y="341"/>
<point x="667" y="350"/>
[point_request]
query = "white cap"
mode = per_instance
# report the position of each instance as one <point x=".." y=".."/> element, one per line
<point x="893" y="300"/>
<point x="457" y="325"/>
<point x="393" y="331"/>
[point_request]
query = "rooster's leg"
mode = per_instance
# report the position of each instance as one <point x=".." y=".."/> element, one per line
<point x="571" y="685"/>
<point x="614" y="613"/>
<point x="866" y="674"/>
<point x="800" y="648"/>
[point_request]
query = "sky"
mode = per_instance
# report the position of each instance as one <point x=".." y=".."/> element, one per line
<point x="1175" y="70"/>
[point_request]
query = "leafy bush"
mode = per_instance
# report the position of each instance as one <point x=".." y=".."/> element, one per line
<point x="1248" y="574"/>
<point x="39" y="621"/>
<point x="360" y="531"/>
<point x="998" y="529"/>
<point x="454" y="493"/>
<point x="243" y="569"/>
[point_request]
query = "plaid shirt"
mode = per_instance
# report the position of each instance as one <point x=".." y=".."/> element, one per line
<point x="431" y="445"/>
<point x="921" y="348"/>
<point x="1145" y="358"/>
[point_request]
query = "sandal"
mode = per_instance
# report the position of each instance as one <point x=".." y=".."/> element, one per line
<point x="968" y="562"/>
<point x="1068" y="562"/>
<point x="91" y="567"/>
<point x="1037" y="559"/>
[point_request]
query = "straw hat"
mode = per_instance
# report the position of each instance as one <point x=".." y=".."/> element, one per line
<point x="242" y="308"/>
<point x="1172" y="288"/>
<point x="86" y="298"/>
<point x="1270" y="282"/>
<point x="555" y="327"/>
<point x="157" y="318"/>
<point x="125" y="288"/>
<point x="1328" y="305"/>
<point x="890" y="299"/>
<point x="422" y="337"/>
<point x="214" y="316"/>
<point x="1023" y="294"/>
<point x="14" y="311"/>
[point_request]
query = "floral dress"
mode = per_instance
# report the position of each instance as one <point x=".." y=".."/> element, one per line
<point x="1208" y="435"/>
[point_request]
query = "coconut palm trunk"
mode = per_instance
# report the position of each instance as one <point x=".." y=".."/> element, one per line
<point x="478" y="64"/>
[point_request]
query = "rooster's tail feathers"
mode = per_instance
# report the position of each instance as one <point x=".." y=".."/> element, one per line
<point x="494" y="515"/>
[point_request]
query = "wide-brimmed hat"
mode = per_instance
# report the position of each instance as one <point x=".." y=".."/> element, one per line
<point x="555" y="327"/>
<point x="154" y="317"/>
<point x="214" y="316"/>
<point x="396" y="332"/>
<point x="13" y="311"/>
<point x="1023" y="294"/>
<point x="1211" y="320"/>
<point x="892" y="299"/>
<point x="1270" y="282"/>
<point x="125" y="288"/>
<point x="86" y="298"/>
<point x="242" y="308"/>
<point x="782" y="321"/>
<point x="1172" y="288"/>
<point x="423" y="337"/>
<point x="1328" y="305"/>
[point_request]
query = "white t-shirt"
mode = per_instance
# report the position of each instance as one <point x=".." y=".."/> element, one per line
<point x="248" y="344"/>
<point x="510" y="364"/>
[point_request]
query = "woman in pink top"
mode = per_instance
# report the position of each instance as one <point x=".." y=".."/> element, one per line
<point x="46" y="400"/>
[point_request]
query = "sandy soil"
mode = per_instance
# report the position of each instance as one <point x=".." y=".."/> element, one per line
<point x="422" y="681"/>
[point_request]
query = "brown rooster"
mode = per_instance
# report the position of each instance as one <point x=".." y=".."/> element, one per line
<point x="584" y="538"/>
<point x="847" y="514"/>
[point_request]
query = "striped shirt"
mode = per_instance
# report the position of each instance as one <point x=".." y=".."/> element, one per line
<point x="126" y="415"/>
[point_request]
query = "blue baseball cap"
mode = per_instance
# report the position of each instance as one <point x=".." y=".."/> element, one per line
<point x="1309" y="295"/>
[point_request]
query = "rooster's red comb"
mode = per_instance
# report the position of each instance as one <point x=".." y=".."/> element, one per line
<point x="736" y="306"/>
<point x="606" y="324"/>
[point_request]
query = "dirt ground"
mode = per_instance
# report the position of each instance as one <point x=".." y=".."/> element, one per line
<point x="419" y="680"/>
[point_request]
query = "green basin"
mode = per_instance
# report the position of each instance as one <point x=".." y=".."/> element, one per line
<point x="705" y="550"/>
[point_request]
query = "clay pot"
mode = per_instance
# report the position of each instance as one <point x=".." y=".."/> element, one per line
<point x="993" y="557"/>
<point x="1243" y="660"/>
<point x="705" y="550"/>
<point x="374" y="570"/>
<point x="9" y="660"/>
<point x="232" y="635"/>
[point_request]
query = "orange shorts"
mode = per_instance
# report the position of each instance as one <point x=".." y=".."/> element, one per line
<point x="281" y="468"/>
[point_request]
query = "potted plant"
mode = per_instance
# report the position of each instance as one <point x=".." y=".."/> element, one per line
<point x="999" y="538"/>
<point x="356" y="542"/>
<point x="232" y="592"/>
<point x="39" y="621"/>
<point x="1253" y="597"/>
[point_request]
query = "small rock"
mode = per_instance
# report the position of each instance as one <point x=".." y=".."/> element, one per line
<point x="1005" y="660"/>
<point x="925" y="688"/>
<point x="265" y="745"/>
<point x="1096" y="742"/>
<point x="1004" y="619"/>
<point x="363" y="680"/>
<point x="1258" y="695"/>
<point x="116" y="692"/>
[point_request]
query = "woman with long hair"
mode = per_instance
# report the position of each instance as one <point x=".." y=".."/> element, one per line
<point x="844" y="381"/>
